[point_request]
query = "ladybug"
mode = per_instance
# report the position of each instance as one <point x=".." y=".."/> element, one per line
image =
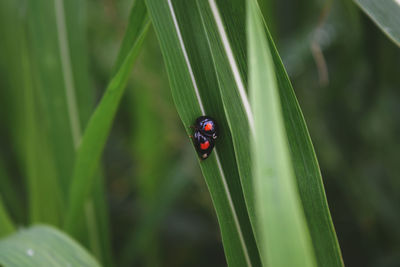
<point x="205" y="133"/>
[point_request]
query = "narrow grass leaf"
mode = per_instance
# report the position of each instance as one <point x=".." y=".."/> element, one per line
<point x="194" y="90"/>
<point x="281" y="222"/>
<point x="43" y="246"/>
<point x="306" y="169"/>
<point x="75" y="16"/>
<point x="97" y="130"/>
<point x="385" y="14"/>
<point x="54" y="88"/>
<point x="220" y="22"/>
<point x="40" y="166"/>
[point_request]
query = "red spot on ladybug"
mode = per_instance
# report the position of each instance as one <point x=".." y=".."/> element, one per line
<point x="205" y="145"/>
<point x="208" y="127"/>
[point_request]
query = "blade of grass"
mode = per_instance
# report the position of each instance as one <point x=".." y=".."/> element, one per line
<point x="49" y="52"/>
<point x="281" y="221"/>
<point x="69" y="84"/>
<point x="192" y="79"/>
<point x="306" y="169"/>
<point x="40" y="166"/>
<point x="76" y="29"/>
<point x="229" y="61"/>
<point x="385" y="14"/>
<point x="97" y="130"/>
<point x="43" y="246"/>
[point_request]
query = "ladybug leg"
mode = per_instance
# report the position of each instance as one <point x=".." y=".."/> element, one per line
<point x="193" y="128"/>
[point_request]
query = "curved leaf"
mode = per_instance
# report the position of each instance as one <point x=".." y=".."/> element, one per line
<point x="43" y="246"/>
<point x="97" y="130"/>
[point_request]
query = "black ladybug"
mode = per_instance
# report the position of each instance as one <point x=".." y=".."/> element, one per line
<point x="206" y="131"/>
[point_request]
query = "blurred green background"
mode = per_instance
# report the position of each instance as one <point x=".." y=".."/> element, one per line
<point x="346" y="76"/>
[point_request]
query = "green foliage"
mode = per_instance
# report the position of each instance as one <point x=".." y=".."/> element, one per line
<point x="230" y="75"/>
<point x="69" y="163"/>
<point x="43" y="246"/>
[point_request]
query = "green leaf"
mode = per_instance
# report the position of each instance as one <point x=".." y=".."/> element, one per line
<point x="52" y="93"/>
<point x="281" y="220"/>
<point x="385" y="14"/>
<point x="43" y="246"/>
<point x="98" y="128"/>
<point x="194" y="86"/>
<point x="306" y="169"/>
<point x="225" y="27"/>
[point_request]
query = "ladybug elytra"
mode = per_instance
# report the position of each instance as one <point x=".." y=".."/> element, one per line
<point x="206" y="131"/>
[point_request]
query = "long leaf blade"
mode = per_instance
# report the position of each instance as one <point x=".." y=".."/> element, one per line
<point x="231" y="83"/>
<point x="187" y="59"/>
<point x="97" y="130"/>
<point x="281" y="221"/>
<point x="306" y="169"/>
